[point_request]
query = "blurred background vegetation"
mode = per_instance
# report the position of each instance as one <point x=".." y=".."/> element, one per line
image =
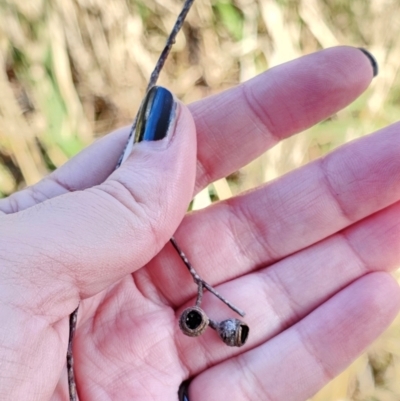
<point x="73" y="70"/>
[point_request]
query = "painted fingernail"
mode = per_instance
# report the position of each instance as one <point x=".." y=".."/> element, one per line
<point x="156" y="115"/>
<point x="183" y="391"/>
<point x="372" y="60"/>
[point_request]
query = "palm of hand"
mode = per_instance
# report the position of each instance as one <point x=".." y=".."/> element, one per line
<point x="126" y="348"/>
<point x="293" y="254"/>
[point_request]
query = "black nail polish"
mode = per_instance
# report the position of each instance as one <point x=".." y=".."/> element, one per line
<point x="372" y="60"/>
<point x="155" y="116"/>
<point x="183" y="391"/>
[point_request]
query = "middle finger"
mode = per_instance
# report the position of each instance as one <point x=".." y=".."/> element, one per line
<point x="235" y="237"/>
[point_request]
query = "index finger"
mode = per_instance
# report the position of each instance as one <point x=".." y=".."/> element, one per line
<point x="233" y="127"/>
<point x="239" y="125"/>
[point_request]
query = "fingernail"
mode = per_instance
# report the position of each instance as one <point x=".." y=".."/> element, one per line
<point x="183" y="391"/>
<point x="372" y="60"/>
<point x="156" y="115"/>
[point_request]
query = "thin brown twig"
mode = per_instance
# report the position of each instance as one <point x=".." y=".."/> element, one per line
<point x="70" y="359"/>
<point x="199" y="294"/>
<point x="171" y="40"/>
<point x="200" y="282"/>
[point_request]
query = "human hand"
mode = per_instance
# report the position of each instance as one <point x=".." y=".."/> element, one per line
<point x="305" y="256"/>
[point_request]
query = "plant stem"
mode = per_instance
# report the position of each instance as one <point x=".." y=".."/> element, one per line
<point x="70" y="359"/>
<point x="200" y="282"/>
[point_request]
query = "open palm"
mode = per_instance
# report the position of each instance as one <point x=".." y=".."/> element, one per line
<point x="305" y="256"/>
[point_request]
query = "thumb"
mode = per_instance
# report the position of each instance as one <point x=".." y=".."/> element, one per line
<point x="79" y="243"/>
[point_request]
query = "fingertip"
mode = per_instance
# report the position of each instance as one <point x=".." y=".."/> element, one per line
<point x="311" y="88"/>
<point x="349" y="65"/>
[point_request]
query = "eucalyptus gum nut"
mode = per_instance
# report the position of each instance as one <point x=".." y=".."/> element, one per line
<point x="233" y="332"/>
<point x="193" y="321"/>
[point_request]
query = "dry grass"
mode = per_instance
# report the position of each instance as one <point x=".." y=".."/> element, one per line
<point x="72" y="70"/>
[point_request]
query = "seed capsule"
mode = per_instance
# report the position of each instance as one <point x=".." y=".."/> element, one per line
<point x="193" y="321"/>
<point x="233" y="332"/>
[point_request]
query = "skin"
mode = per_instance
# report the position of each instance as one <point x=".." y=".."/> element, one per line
<point x="307" y="256"/>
